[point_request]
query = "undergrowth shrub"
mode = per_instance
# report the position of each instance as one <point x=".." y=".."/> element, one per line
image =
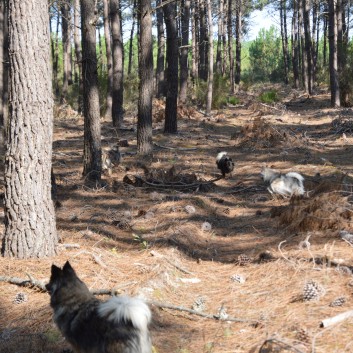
<point x="269" y="96"/>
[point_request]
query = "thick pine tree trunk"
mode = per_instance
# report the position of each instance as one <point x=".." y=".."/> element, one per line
<point x="333" y="56"/>
<point x="144" y="119"/>
<point x="171" y="125"/>
<point x="195" y="42"/>
<point x="92" y="154"/>
<point x="203" y="41"/>
<point x="118" y="63"/>
<point x="65" y="19"/>
<point x="295" y="47"/>
<point x="129" y="67"/>
<point x="160" y="82"/>
<point x="210" y="59"/>
<point x="220" y="35"/>
<point x="4" y="58"/>
<point x="108" y="53"/>
<point x="230" y="47"/>
<point x="78" y="53"/>
<point x="30" y="229"/>
<point x="238" y="37"/>
<point x="308" y="47"/>
<point x="184" y="69"/>
<point x="284" y="38"/>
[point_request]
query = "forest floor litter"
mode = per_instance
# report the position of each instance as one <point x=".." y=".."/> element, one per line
<point x="169" y="229"/>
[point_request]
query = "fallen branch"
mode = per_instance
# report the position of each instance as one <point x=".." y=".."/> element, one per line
<point x="175" y="148"/>
<point x="156" y="254"/>
<point x="24" y="282"/>
<point x="40" y="285"/>
<point x="176" y="185"/>
<point x="335" y="319"/>
<point x="198" y="313"/>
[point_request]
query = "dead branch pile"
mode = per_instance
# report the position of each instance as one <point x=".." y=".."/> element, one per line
<point x="327" y="211"/>
<point x="183" y="111"/>
<point x="261" y="134"/>
<point x="340" y="126"/>
<point x="169" y="179"/>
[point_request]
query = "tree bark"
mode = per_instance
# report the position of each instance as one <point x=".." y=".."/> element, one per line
<point x="194" y="42"/>
<point x="184" y="70"/>
<point x="30" y="229"/>
<point x="203" y="42"/>
<point x="108" y="53"/>
<point x="230" y="47"/>
<point x="118" y="63"/>
<point x="4" y="69"/>
<point x="238" y="37"/>
<point x="65" y="20"/>
<point x="334" y="76"/>
<point x="132" y="38"/>
<point x="171" y="125"/>
<point x="92" y="155"/>
<point x="308" y="48"/>
<point x="295" y="46"/>
<point x="160" y="81"/>
<point x="283" y="16"/>
<point x="78" y="53"/>
<point x="144" y="119"/>
<point x="210" y="59"/>
<point x="220" y="35"/>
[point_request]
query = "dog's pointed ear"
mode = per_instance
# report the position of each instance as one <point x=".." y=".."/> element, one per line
<point x="68" y="270"/>
<point x="55" y="271"/>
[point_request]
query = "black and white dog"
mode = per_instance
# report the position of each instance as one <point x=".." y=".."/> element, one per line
<point x="118" y="325"/>
<point x="283" y="184"/>
<point x="224" y="163"/>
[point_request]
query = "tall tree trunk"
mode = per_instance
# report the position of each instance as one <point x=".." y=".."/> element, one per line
<point x="108" y="52"/>
<point x="314" y="39"/>
<point x="295" y="46"/>
<point x="195" y="41"/>
<point x="238" y="38"/>
<point x="56" y="61"/>
<point x="203" y="41"/>
<point x="92" y="156"/>
<point x="324" y="49"/>
<point x="78" y="53"/>
<point x="283" y="21"/>
<point x="118" y="63"/>
<point x="65" y="20"/>
<point x="184" y="69"/>
<point x="30" y="229"/>
<point x="144" y="120"/>
<point x="230" y="48"/>
<point x="210" y="59"/>
<point x="160" y="82"/>
<point x="220" y="35"/>
<point x="308" y="48"/>
<point x="169" y="11"/>
<point x="131" y="40"/>
<point x="334" y="76"/>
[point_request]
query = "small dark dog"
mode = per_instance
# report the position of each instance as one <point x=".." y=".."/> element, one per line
<point x="283" y="184"/>
<point x="119" y="325"/>
<point x="224" y="163"/>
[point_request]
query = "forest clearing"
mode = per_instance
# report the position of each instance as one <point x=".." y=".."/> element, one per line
<point x="163" y="228"/>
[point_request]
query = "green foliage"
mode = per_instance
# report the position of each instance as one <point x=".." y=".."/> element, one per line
<point x="233" y="100"/>
<point x="269" y="96"/>
<point x="220" y="91"/>
<point x="265" y="55"/>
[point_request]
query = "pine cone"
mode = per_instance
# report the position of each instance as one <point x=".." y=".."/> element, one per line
<point x="302" y="335"/>
<point x="312" y="291"/>
<point x="20" y="298"/>
<point x="199" y="304"/>
<point x="338" y="301"/>
<point x="243" y="260"/>
<point x="237" y="278"/>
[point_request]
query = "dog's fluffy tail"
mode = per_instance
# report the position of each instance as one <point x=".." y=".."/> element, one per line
<point x="220" y="155"/>
<point x="125" y="309"/>
<point x="296" y="176"/>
